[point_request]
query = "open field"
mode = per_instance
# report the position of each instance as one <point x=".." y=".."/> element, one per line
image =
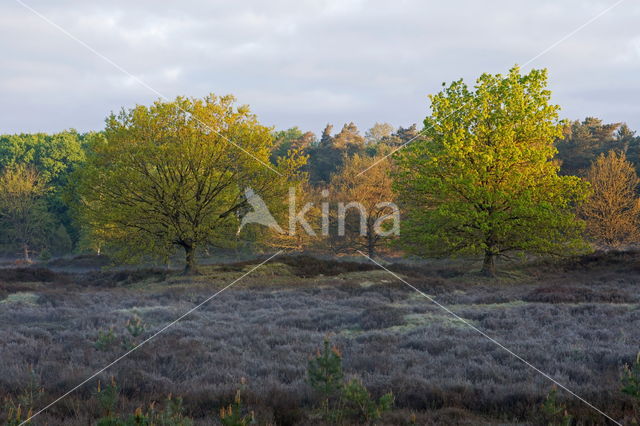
<point x="576" y="320"/>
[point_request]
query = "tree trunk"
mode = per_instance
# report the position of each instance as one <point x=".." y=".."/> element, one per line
<point x="371" y="246"/>
<point x="190" y="266"/>
<point x="489" y="264"/>
<point x="25" y="250"/>
<point x="371" y="238"/>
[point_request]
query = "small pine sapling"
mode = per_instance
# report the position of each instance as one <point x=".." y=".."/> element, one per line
<point x="232" y="414"/>
<point x="108" y="399"/>
<point x="325" y="373"/>
<point x="105" y="340"/>
<point x="631" y="383"/>
<point x="554" y="412"/>
<point x="358" y="404"/>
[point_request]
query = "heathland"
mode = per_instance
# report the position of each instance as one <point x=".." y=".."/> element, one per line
<point x="573" y="319"/>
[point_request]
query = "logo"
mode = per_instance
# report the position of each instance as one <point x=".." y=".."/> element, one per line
<point x="260" y="214"/>
<point x="384" y="225"/>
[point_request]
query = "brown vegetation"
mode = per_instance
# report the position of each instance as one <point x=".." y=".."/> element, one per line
<point x="364" y="208"/>
<point x="612" y="212"/>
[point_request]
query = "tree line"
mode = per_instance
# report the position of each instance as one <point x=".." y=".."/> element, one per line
<point x="493" y="171"/>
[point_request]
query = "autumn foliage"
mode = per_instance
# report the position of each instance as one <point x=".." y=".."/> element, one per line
<point x="612" y="211"/>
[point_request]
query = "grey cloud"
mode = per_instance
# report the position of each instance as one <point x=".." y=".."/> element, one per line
<point x="307" y="63"/>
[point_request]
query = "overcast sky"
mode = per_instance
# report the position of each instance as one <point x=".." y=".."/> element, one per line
<point x="307" y="63"/>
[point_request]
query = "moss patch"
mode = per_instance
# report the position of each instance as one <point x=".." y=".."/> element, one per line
<point x="22" y="297"/>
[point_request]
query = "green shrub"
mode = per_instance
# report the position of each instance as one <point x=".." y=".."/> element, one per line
<point x="555" y="413"/>
<point x="342" y="402"/>
<point x="45" y="254"/>
<point x="138" y="418"/>
<point x="15" y="414"/>
<point x="135" y="326"/>
<point x="171" y="415"/>
<point x="357" y="403"/>
<point x="108" y="399"/>
<point x="631" y="379"/>
<point x="631" y="383"/>
<point x="232" y="414"/>
<point x="105" y="340"/>
<point x="325" y="373"/>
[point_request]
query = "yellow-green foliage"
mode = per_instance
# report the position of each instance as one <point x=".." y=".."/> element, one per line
<point x="21" y="297"/>
<point x="483" y="180"/>
<point x="173" y="175"/>
<point x="358" y="403"/>
<point x="16" y="416"/>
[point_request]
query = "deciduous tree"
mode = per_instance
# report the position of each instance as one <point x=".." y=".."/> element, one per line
<point x="483" y="181"/>
<point x="174" y="174"/>
<point x="378" y="132"/>
<point x="366" y="213"/>
<point x="23" y="212"/>
<point x="612" y="211"/>
<point x="53" y="157"/>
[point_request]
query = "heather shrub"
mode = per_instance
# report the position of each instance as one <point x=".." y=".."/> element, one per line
<point x="381" y="317"/>
<point x="12" y="275"/>
<point x="32" y="393"/>
<point x="307" y="266"/>
<point x="575" y="295"/>
<point x="121" y="278"/>
<point x="19" y="410"/>
<point x="137" y="275"/>
<point x="432" y="363"/>
<point x="599" y="259"/>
